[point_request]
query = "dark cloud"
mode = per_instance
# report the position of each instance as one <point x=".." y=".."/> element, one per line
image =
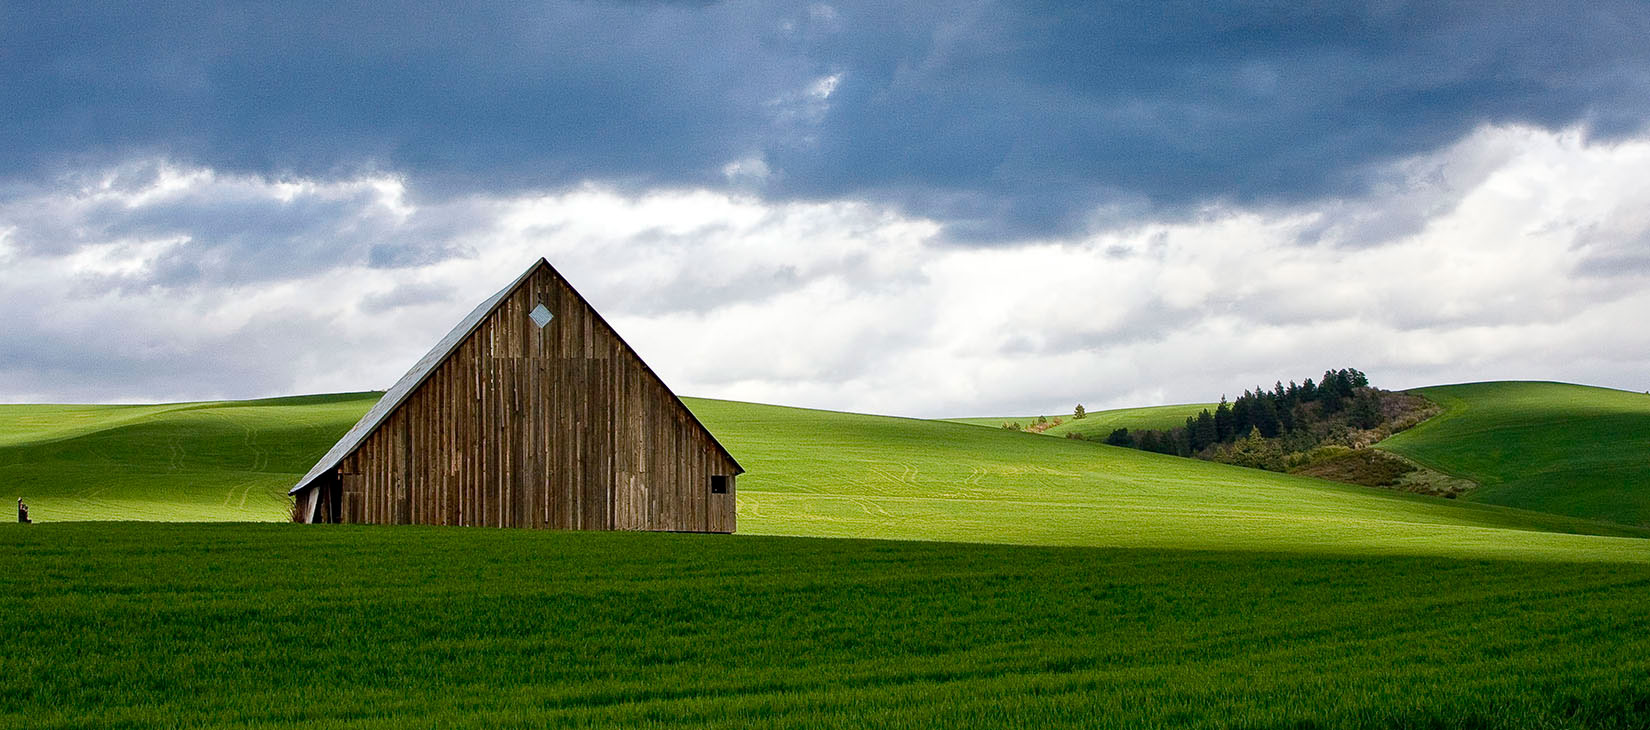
<point x="408" y="295"/>
<point x="121" y="358"/>
<point x="1003" y="121"/>
<point x="1614" y="257"/>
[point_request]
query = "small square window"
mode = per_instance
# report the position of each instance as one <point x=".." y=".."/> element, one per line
<point x="541" y="315"/>
<point x="719" y="484"/>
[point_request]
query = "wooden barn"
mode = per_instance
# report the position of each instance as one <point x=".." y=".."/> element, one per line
<point x="532" y="412"/>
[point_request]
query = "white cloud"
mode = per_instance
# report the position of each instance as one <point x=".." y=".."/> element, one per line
<point x="822" y="87"/>
<point x="749" y="169"/>
<point x="1513" y="254"/>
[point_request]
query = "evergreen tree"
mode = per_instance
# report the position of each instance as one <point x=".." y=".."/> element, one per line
<point x="1078" y="412"/>
<point x="1343" y="383"/>
<point x="1254" y="452"/>
<point x="1333" y="391"/>
<point x="1330" y="399"/>
<point x="1357" y="378"/>
<point x="1204" y="432"/>
<point x="1365" y="411"/>
<point x="1161" y="442"/>
<point x="1146" y="440"/>
<point x="1243" y="417"/>
<point x="1223" y="421"/>
<point x="1181" y="438"/>
<point x="1264" y="415"/>
<point x="1286" y="416"/>
<point x="1120" y="437"/>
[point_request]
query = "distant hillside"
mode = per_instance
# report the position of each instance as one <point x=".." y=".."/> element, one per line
<point x="1094" y="425"/>
<point x="1567" y="449"/>
<point x="226" y="460"/>
<point x="828" y="474"/>
<point x="814" y="473"/>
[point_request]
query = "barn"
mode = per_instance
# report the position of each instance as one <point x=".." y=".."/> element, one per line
<point x="532" y="412"/>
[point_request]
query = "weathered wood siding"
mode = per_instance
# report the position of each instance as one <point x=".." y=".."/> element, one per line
<point x="560" y="427"/>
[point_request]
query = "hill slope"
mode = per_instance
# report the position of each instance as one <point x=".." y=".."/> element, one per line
<point x="821" y="473"/>
<point x="1097" y="425"/>
<point x="1311" y="616"/>
<point x="812" y="473"/>
<point x="1566" y="449"/>
<point x="231" y="460"/>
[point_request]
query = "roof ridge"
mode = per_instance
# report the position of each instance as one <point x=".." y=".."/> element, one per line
<point x="409" y="382"/>
<point x="444" y="348"/>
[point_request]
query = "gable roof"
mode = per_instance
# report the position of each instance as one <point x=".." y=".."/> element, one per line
<point x="426" y="365"/>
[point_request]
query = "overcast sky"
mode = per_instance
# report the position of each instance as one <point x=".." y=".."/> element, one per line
<point x="953" y="209"/>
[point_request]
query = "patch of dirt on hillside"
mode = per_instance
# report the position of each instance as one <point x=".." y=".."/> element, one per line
<point x="1428" y="481"/>
<point x="1376" y="468"/>
<point x="1362" y="466"/>
<point x="1399" y="412"/>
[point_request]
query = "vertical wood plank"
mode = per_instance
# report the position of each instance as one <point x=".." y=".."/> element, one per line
<point x="560" y="427"/>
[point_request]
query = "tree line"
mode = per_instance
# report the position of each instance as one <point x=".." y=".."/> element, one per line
<point x="1297" y="413"/>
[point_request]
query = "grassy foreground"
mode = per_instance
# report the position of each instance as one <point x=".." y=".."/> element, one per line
<point x="159" y="625"/>
<point x="1143" y="591"/>
<point x="1553" y="447"/>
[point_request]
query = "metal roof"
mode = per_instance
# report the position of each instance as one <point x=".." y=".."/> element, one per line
<point x="408" y="383"/>
<point x="426" y="365"/>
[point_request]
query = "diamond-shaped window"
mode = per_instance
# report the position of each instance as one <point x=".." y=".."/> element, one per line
<point x="541" y="316"/>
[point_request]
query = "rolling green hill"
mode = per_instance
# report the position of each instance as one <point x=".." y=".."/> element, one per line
<point x="812" y="473"/>
<point x="1553" y="447"/>
<point x="231" y="460"/>
<point x="1097" y="425"/>
<point x="828" y="474"/>
<point x="1145" y="591"/>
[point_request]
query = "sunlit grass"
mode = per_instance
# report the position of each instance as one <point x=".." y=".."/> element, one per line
<point x="192" y="461"/>
<point x="1192" y="594"/>
<point x="1553" y="447"/>
<point x="1096" y="425"/>
<point x="832" y="474"/>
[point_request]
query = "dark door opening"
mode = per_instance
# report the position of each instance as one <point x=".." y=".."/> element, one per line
<point x="332" y="494"/>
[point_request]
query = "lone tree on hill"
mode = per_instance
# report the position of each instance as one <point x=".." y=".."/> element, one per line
<point x="1078" y="412"/>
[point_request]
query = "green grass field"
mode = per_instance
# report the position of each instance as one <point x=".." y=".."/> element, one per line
<point x="820" y="473"/>
<point x="229" y="460"/>
<point x="1565" y="449"/>
<point x="161" y="625"/>
<point x="1020" y="581"/>
<point x="1097" y="425"/>
<point x="812" y="473"/>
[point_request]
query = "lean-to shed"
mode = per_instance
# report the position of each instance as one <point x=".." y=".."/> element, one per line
<point x="532" y="412"/>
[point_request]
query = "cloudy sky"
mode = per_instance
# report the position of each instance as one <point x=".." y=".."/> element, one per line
<point x="948" y="209"/>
